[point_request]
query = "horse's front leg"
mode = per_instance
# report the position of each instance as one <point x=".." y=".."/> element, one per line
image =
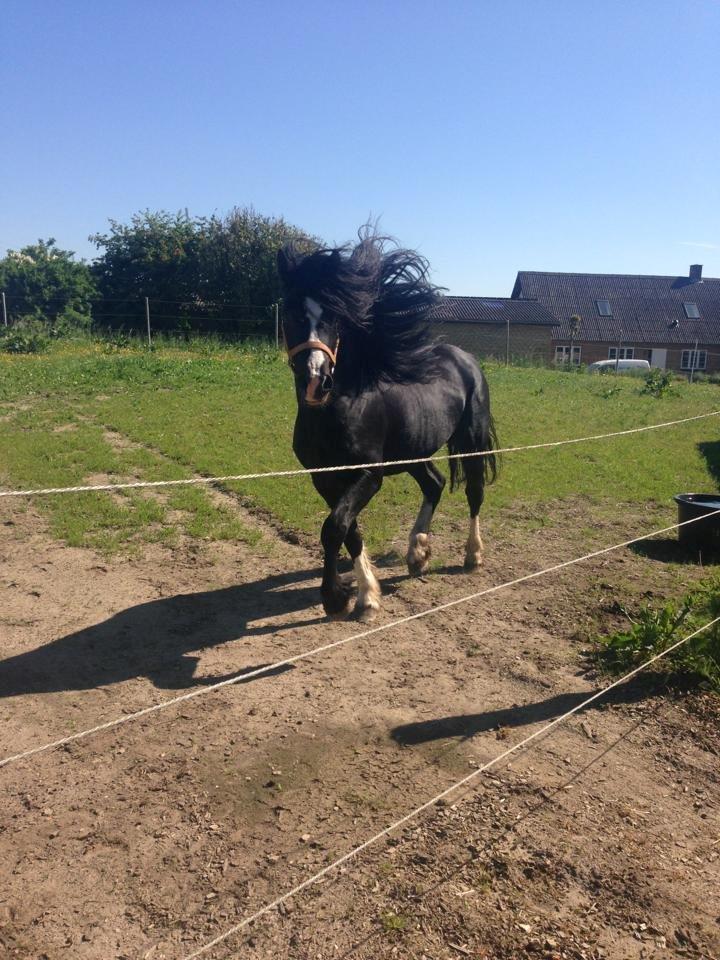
<point x="337" y="594"/>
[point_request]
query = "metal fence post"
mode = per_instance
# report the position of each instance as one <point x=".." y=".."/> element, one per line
<point x="276" y="307"/>
<point x="507" y="344"/>
<point x="147" y="318"/>
<point x="574" y="331"/>
<point x="694" y="361"/>
<point x="4" y="305"/>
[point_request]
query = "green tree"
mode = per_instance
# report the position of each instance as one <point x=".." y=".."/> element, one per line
<point x="193" y="269"/>
<point x="239" y="255"/>
<point x="45" y="283"/>
<point x="155" y="255"/>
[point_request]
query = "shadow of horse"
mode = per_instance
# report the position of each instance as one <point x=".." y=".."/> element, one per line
<point x="466" y="726"/>
<point x="155" y="639"/>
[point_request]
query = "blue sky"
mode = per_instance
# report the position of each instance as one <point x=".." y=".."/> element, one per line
<point x="493" y="136"/>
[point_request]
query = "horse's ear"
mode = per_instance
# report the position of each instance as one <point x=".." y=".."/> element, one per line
<point x="285" y="262"/>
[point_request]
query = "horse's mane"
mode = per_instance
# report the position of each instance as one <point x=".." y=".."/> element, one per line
<point x="380" y="295"/>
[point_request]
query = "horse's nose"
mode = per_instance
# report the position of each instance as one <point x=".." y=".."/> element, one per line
<point x="314" y="393"/>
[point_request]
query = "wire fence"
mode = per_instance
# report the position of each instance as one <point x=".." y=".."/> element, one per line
<point x="302" y="471"/>
<point x="150" y="317"/>
<point x="325" y="648"/>
<point x="305" y="655"/>
<point x="433" y="801"/>
<point x="511" y="343"/>
<point x="526" y="345"/>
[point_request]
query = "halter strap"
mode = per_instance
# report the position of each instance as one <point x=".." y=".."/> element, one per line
<point x="314" y="345"/>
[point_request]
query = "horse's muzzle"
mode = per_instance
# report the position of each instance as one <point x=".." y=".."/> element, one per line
<point x="318" y="390"/>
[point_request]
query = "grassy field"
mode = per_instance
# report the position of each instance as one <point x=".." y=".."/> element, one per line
<point x="211" y="410"/>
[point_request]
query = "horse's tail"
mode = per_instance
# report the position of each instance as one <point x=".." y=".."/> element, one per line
<point x="475" y="433"/>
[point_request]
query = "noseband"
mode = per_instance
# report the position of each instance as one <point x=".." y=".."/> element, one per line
<point x="316" y="345"/>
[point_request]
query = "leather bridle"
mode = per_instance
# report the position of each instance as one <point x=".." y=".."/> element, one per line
<point x="313" y="345"/>
<point x="292" y="352"/>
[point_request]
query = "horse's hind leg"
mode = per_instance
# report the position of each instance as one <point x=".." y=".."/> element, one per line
<point x="475" y="492"/>
<point x="368" y="596"/>
<point x="431" y="482"/>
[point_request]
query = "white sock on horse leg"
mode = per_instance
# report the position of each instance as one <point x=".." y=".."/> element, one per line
<point x="368" y="587"/>
<point x="474" y="545"/>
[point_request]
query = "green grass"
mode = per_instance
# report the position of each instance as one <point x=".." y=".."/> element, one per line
<point x="212" y="409"/>
<point x="52" y="437"/>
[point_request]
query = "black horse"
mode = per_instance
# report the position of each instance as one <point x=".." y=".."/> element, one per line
<point x="373" y="385"/>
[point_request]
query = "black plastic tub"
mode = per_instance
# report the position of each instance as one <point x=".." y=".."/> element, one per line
<point x="703" y="534"/>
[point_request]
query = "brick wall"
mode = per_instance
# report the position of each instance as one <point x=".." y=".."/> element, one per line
<point x="527" y="341"/>
<point x="590" y="352"/>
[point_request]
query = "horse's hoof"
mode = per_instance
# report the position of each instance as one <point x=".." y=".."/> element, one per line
<point x="418" y="555"/>
<point x="338" y="607"/>
<point x="472" y="564"/>
<point x="365" y="614"/>
<point x="339" y="615"/>
<point x="338" y="603"/>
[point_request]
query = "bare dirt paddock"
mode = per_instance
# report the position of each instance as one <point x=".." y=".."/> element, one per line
<point x="601" y="840"/>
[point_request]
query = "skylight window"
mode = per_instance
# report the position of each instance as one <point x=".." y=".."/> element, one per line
<point x="691" y="311"/>
<point x="604" y="308"/>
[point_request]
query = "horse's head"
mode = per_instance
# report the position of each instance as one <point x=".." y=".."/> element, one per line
<point x="372" y="300"/>
<point x="310" y="328"/>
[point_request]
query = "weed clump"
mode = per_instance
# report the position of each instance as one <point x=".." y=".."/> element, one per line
<point x="25" y="336"/>
<point x="653" y="631"/>
<point x="658" y="383"/>
<point x="393" y="922"/>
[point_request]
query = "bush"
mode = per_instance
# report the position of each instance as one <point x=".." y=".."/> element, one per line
<point x="70" y="323"/>
<point x="658" y="383"/>
<point x="28" y="335"/>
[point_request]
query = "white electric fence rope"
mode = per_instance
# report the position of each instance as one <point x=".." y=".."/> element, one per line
<point x="139" y="484"/>
<point x="270" y="668"/>
<point x="440" y="796"/>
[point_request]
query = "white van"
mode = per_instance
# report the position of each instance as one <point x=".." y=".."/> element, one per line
<point x="623" y="366"/>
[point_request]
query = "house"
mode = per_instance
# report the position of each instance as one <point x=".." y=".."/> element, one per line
<point x="673" y="322"/>
<point x="496" y="326"/>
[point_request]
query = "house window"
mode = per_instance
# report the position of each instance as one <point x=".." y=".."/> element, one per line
<point x="562" y="354"/>
<point x="604" y="308"/>
<point x="691" y="311"/>
<point x="690" y="361"/>
<point x="626" y="353"/>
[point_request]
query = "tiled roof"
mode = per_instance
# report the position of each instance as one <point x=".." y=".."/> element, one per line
<point x="491" y="310"/>
<point x="648" y="309"/>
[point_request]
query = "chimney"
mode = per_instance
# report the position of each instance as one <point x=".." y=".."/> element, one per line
<point x="695" y="273"/>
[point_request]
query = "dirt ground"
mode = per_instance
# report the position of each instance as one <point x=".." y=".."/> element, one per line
<point x="601" y="840"/>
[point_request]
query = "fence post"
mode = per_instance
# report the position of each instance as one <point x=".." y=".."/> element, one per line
<point x="507" y="344"/>
<point x="276" y="307"/>
<point x="574" y="331"/>
<point x="694" y="361"/>
<point x="147" y="318"/>
<point x="4" y="305"/>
